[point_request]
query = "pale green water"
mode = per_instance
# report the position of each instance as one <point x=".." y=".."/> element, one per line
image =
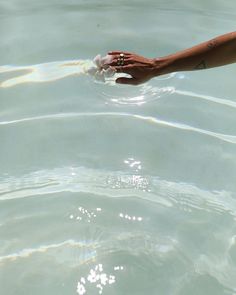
<point x="113" y="189"/>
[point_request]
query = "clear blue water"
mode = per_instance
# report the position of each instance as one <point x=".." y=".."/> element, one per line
<point x="112" y="189"/>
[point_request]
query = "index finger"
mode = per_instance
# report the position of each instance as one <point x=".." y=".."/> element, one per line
<point x="123" y="69"/>
<point x="118" y="52"/>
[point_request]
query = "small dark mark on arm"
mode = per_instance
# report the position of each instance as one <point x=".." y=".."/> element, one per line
<point x="201" y="66"/>
<point x="212" y="44"/>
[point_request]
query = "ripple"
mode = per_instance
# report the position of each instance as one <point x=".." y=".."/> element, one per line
<point x="116" y="184"/>
<point x="137" y="96"/>
<point x="150" y="120"/>
<point x="213" y="99"/>
<point x="45" y="248"/>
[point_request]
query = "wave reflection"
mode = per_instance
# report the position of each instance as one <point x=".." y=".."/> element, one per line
<point x="149" y="119"/>
<point x="142" y="94"/>
<point x="45" y="72"/>
<point x="46" y="248"/>
<point x="115" y="185"/>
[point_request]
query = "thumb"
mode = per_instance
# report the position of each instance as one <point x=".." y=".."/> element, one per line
<point x="130" y="81"/>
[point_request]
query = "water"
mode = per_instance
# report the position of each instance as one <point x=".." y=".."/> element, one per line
<point x="108" y="189"/>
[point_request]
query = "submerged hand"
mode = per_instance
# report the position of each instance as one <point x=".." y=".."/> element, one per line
<point x="140" y="69"/>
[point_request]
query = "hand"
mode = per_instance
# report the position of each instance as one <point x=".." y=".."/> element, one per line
<point x="140" y="69"/>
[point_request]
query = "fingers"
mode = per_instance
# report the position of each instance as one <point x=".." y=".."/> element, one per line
<point x="130" y="81"/>
<point x="116" y="62"/>
<point x="123" y="69"/>
<point x="118" y="52"/>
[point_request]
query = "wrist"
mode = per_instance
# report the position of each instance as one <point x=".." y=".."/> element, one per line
<point x="164" y="65"/>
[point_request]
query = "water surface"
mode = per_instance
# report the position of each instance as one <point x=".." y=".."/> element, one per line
<point x="108" y="189"/>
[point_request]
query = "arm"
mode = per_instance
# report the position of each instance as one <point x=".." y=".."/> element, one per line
<point x="214" y="53"/>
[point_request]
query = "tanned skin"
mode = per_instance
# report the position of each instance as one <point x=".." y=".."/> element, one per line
<point x="217" y="52"/>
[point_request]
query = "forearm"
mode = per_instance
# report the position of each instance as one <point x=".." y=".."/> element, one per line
<point x="214" y="53"/>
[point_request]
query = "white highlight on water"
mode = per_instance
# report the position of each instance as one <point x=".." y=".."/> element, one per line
<point x="149" y="119"/>
<point x="52" y="71"/>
